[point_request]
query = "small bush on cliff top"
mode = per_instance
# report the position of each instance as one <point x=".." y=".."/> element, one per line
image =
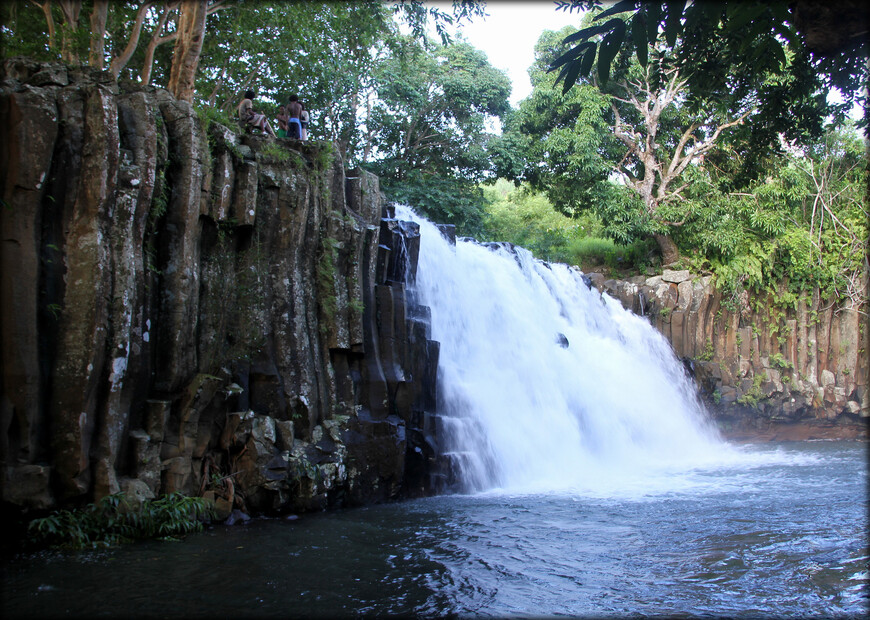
<point x="115" y="520"/>
<point x="210" y="114"/>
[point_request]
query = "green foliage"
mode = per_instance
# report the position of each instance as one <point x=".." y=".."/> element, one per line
<point x="730" y="51"/>
<point x="55" y="310"/>
<point x="753" y="395"/>
<point x="591" y="252"/>
<point x="428" y="128"/>
<point x="707" y="354"/>
<point x="623" y="152"/>
<point x="779" y="361"/>
<point x="560" y="144"/>
<point x="210" y="114"/>
<point x="805" y="223"/>
<point x="114" y="519"/>
<point x="274" y="152"/>
<point x="528" y="219"/>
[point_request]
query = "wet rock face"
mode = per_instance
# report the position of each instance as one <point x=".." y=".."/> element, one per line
<point x="187" y="309"/>
<point x="757" y="363"/>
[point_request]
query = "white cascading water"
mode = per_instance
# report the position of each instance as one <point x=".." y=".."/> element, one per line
<point x="520" y="411"/>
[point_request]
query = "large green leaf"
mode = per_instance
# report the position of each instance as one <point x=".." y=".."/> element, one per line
<point x="571" y="55"/>
<point x="673" y="25"/>
<point x="638" y="33"/>
<point x="619" y="7"/>
<point x="653" y="12"/>
<point x="607" y="52"/>
<point x="591" y="31"/>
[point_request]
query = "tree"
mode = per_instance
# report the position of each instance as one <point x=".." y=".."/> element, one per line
<point x="805" y="224"/>
<point x="328" y="53"/>
<point x="184" y="22"/>
<point x="428" y="127"/>
<point x="652" y="166"/>
<point x="190" y="31"/>
<point x="641" y="131"/>
<point x="730" y="48"/>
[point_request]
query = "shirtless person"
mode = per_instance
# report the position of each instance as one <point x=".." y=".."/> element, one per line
<point x="294" y="125"/>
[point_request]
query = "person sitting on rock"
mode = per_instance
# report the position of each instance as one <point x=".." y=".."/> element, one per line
<point x="247" y="114"/>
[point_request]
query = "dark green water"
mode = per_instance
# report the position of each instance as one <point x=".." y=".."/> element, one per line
<point x="781" y="533"/>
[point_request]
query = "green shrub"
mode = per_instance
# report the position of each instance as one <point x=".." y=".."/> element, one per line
<point x="114" y="519"/>
<point x="590" y="251"/>
<point x="211" y="114"/>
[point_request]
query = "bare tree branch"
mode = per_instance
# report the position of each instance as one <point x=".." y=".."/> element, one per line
<point x="157" y="38"/>
<point x="119" y="62"/>
<point x="49" y="18"/>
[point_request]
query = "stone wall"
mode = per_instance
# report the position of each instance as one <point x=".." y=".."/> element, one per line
<point x="759" y="362"/>
<point x="190" y="309"/>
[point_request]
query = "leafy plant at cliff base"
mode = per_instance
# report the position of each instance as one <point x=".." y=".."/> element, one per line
<point x="114" y="519"/>
<point x="753" y="395"/>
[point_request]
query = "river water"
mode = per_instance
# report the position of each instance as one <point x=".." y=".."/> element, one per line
<point x="781" y="533"/>
<point x="591" y="484"/>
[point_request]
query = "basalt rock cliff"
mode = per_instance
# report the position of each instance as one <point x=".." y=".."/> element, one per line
<point x="765" y="368"/>
<point x="185" y="307"/>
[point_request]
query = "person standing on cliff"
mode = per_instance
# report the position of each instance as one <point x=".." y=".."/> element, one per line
<point x="247" y="114"/>
<point x="294" y="124"/>
<point x="303" y="117"/>
<point x="282" y="122"/>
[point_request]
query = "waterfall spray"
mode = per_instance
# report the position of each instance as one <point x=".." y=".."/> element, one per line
<point x="544" y="383"/>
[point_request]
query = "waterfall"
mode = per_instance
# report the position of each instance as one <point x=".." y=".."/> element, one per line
<point x="545" y="384"/>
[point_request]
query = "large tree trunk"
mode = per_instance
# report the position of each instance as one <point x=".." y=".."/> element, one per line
<point x="97" y="55"/>
<point x="71" y="10"/>
<point x="670" y="253"/>
<point x="188" y="45"/>
<point x="120" y="61"/>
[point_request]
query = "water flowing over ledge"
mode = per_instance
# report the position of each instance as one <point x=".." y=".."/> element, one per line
<point x="547" y="385"/>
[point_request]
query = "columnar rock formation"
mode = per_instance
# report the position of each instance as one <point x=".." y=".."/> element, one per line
<point x="764" y="362"/>
<point x="189" y="309"/>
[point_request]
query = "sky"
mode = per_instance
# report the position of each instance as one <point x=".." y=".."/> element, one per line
<point x="508" y="36"/>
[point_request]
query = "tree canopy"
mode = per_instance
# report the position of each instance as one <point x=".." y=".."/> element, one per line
<point x="730" y="49"/>
<point x="430" y="122"/>
<point x="652" y="160"/>
<point x="576" y="140"/>
<point x="358" y="76"/>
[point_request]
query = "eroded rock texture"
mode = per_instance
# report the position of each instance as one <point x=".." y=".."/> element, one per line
<point x="759" y="363"/>
<point x="188" y="309"/>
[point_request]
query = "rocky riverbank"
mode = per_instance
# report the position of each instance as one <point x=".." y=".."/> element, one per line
<point x="765" y="369"/>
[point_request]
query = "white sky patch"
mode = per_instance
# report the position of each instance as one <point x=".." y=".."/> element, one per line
<point x="509" y="34"/>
